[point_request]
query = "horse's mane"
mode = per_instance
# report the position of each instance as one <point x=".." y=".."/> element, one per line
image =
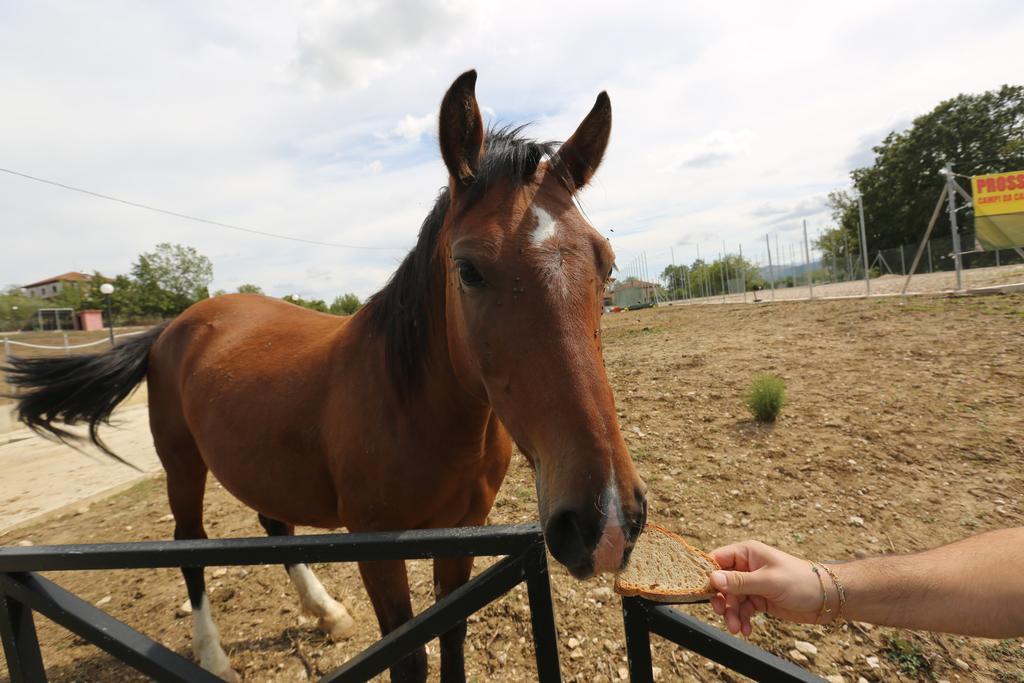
<point x="401" y="312"/>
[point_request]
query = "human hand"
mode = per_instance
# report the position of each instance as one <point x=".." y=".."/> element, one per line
<point x="759" y="578"/>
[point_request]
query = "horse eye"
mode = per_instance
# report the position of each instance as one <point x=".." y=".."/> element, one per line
<point x="469" y="275"/>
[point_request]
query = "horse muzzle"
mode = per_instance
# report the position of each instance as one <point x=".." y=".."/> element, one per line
<point x="596" y="538"/>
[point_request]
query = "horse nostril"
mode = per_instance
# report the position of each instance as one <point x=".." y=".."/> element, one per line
<point x="636" y="524"/>
<point x="565" y="537"/>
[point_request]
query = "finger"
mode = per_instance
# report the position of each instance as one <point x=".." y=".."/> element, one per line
<point x="760" y="582"/>
<point x="718" y="604"/>
<point x="732" y="620"/>
<point x="747" y="610"/>
<point x="732" y="613"/>
<point x="733" y="556"/>
<point x="760" y="604"/>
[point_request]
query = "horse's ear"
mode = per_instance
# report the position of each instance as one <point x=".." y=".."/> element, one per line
<point x="578" y="158"/>
<point x="461" y="131"/>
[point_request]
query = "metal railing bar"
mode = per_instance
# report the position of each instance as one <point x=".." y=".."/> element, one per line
<point x="542" y="616"/>
<point x="21" y="646"/>
<point x="455" y="607"/>
<point x="638" y="641"/>
<point x="719" y="646"/>
<point x="398" y="545"/>
<point x="102" y="630"/>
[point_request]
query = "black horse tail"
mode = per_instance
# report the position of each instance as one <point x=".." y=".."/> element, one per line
<point x="76" y="389"/>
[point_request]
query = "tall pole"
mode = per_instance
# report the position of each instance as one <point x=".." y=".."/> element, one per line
<point x="110" y="319"/>
<point x="702" y="278"/>
<point x="950" y="192"/>
<point x="675" y="274"/>
<point x="807" y="263"/>
<point x="846" y="249"/>
<point x="721" y="272"/>
<point x="864" y="244"/>
<point x="725" y="274"/>
<point x="743" y="275"/>
<point x="771" y="268"/>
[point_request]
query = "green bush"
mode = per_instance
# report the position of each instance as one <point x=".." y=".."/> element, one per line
<point x="766" y="396"/>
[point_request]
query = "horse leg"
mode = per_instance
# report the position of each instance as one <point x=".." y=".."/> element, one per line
<point x="449" y="574"/>
<point x="185" y="489"/>
<point x="388" y="587"/>
<point x="332" y="617"/>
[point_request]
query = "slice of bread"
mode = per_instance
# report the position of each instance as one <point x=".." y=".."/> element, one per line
<point x="665" y="568"/>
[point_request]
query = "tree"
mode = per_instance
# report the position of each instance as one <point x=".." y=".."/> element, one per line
<point x="840" y="254"/>
<point x="346" y="304"/>
<point x="976" y="134"/>
<point x="312" y="304"/>
<point x="250" y="289"/>
<point x="17" y="310"/>
<point x="675" y="279"/>
<point x="171" y="278"/>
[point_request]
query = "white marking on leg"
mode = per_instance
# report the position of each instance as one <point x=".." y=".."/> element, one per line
<point x="612" y="545"/>
<point x="206" y="642"/>
<point x="334" y="619"/>
<point x="546" y="228"/>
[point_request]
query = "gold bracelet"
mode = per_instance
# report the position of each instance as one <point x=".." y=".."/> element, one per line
<point x="824" y="596"/>
<point x="840" y="590"/>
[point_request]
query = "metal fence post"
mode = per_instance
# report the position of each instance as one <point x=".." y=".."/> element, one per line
<point x="7" y="349"/>
<point x="743" y="275"/>
<point x="864" y="245"/>
<point x="542" y="616"/>
<point x="67" y="351"/>
<point x="21" y="646"/>
<point x="807" y="260"/>
<point x="952" y="226"/>
<point x="638" y="641"/>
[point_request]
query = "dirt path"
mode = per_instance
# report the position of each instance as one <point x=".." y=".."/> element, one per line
<point x="904" y="430"/>
<point x="41" y="476"/>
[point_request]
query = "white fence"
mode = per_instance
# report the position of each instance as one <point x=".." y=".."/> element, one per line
<point x="66" y="347"/>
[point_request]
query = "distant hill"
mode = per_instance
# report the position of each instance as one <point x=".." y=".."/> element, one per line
<point x="789" y="269"/>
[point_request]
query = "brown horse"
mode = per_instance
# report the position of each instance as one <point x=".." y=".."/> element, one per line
<point x="403" y="415"/>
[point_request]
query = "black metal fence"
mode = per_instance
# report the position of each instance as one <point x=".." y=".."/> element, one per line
<point x="642" y="617"/>
<point x="23" y="591"/>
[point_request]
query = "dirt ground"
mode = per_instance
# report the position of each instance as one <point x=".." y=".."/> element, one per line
<point x="904" y="414"/>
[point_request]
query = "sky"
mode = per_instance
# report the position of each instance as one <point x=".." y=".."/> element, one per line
<point x="316" y="120"/>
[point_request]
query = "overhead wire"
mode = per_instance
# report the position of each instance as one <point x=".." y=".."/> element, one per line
<point x="198" y="219"/>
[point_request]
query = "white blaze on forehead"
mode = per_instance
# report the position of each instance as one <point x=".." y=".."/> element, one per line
<point x="546" y="225"/>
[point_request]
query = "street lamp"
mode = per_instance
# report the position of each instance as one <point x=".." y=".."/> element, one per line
<point x="108" y="289"/>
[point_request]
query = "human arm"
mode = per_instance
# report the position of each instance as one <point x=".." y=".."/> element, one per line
<point x="971" y="587"/>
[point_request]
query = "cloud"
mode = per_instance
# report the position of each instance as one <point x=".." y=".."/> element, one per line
<point x="349" y="43"/>
<point x="311" y="120"/>
<point x="716" y="147"/>
<point x="412" y="128"/>
<point x="863" y="154"/>
<point x="775" y="213"/>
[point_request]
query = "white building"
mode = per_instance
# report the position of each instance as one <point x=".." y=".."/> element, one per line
<point x="51" y="287"/>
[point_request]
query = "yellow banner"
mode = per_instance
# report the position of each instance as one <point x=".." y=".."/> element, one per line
<point x="998" y="193"/>
<point x="999" y="209"/>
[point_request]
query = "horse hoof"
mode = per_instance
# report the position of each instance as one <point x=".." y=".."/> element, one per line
<point x="339" y="627"/>
<point x="228" y="674"/>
